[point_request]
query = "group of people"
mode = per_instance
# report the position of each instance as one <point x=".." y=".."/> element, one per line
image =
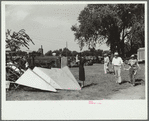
<point x="117" y="64"/>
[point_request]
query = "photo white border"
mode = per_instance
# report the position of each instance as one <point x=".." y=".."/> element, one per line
<point x="47" y="110"/>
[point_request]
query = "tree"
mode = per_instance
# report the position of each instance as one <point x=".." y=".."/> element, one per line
<point x="78" y="36"/>
<point x="86" y="53"/>
<point x="63" y="52"/>
<point x="17" y="39"/>
<point x="49" y="53"/>
<point x="35" y="53"/>
<point x="99" y="52"/>
<point x="21" y="53"/>
<point x="130" y="15"/>
<point x="66" y="52"/>
<point x="92" y="52"/>
<point x="112" y="24"/>
<point x="94" y="25"/>
<point x="74" y="53"/>
<point x="14" y="41"/>
<point x="136" y="37"/>
<point x="60" y="51"/>
<point x="57" y="52"/>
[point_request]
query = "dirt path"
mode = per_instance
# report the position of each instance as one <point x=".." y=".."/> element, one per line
<point x="137" y="92"/>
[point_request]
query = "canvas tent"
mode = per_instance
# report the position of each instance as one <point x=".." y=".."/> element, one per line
<point x="70" y="75"/>
<point x="61" y="77"/>
<point x="31" y="79"/>
<point x="45" y="76"/>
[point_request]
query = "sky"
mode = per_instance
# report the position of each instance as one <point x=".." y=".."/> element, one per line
<point x="47" y="25"/>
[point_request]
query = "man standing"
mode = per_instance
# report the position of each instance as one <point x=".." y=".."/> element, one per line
<point x="117" y="62"/>
<point x="106" y="63"/>
<point x="77" y="59"/>
<point x="133" y="68"/>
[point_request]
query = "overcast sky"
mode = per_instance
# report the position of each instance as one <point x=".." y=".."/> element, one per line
<point x="47" y="25"/>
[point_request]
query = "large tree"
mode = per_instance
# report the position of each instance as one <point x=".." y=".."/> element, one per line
<point x="113" y="24"/>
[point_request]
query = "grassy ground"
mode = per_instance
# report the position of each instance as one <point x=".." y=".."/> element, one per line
<point x="97" y="86"/>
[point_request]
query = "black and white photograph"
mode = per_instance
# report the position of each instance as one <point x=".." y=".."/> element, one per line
<point x="86" y="56"/>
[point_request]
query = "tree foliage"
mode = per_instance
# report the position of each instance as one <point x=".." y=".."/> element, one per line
<point x="67" y="52"/>
<point x="49" y="53"/>
<point x="113" y="24"/>
<point x="17" y="39"/>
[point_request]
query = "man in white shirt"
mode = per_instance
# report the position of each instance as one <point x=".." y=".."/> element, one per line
<point x="77" y="58"/>
<point x="106" y="63"/>
<point x="117" y="62"/>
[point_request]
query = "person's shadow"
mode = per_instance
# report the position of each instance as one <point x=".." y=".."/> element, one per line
<point x="89" y="85"/>
<point x="137" y="81"/>
<point x="124" y="81"/>
<point x="111" y="72"/>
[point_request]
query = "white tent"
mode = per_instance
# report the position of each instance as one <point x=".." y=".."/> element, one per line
<point x="46" y="77"/>
<point x="64" y="79"/>
<point x="68" y="72"/>
<point x="31" y="79"/>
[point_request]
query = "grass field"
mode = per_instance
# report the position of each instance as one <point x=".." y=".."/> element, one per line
<point x="98" y="86"/>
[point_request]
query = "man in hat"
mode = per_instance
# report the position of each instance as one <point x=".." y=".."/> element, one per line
<point x="133" y="67"/>
<point x="106" y="63"/>
<point x="117" y="62"/>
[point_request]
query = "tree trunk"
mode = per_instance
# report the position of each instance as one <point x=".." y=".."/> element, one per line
<point x="122" y="43"/>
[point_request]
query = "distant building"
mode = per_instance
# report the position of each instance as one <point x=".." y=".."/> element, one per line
<point x="40" y="50"/>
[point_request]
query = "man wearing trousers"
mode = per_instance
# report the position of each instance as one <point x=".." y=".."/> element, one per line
<point x="117" y="62"/>
<point x="133" y="68"/>
<point x="106" y="63"/>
